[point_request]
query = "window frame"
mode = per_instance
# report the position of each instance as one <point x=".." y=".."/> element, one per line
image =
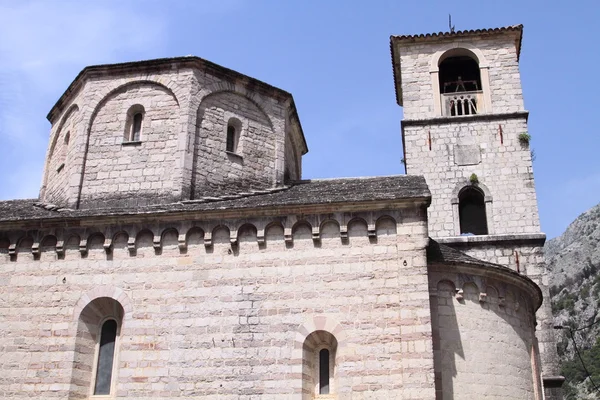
<point x="487" y="200"/>
<point x="112" y="393"/>
<point x="235" y="123"/>
<point x="468" y="49"/>
<point x="129" y="136"/>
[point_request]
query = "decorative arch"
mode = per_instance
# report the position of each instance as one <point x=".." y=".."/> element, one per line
<point x="457" y="49"/>
<point x="100" y="101"/>
<point x="91" y="314"/>
<point x="330" y="229"/>
<point x="194" y="236"/>
<point x="461" y="185"/>
<point x="73" y="108"/>
<point x="226" y="86"/>
<point x="386" y="225"/>
<point x="111" y="292"/>
<point x="319" y="342"/>
<point x="169" y="238"/>
<point x="302" y="229"/>
<point x="247" y="233"/>
<point x="51" y="163"/>
<point x="487" y="199"/>
<point x="275" y="234"/>
<point x="357" y="227"/>
<point x="484" y="104"/>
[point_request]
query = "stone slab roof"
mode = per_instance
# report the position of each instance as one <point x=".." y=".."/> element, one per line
<point x="301" y="193"/>
<point x="444" y="255"/>
<point x="441" y="253"/>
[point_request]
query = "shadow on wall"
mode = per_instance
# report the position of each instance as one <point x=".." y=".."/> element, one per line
<point x="483" y="343"/>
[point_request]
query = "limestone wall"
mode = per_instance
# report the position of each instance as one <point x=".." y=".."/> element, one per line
<point x="117" y="168"/>
<point x="447" y="154"/>
<point x="252" y="165"/>
<point x="61" y="152"/>
<point x="483" y="332"/>
<point x="220" y="308"/>
<point x="526" y="257"/>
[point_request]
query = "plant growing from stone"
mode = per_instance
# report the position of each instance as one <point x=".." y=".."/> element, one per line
<point x="524" y="138"/>
<point x="474" y="179"/>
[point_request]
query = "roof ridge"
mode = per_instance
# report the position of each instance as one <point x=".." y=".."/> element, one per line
<point x="462" y="32"/>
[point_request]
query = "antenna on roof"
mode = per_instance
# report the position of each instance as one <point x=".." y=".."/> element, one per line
<point x="450" y="26"/>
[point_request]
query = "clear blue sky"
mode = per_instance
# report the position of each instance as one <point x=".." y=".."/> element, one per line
<point x="333" y="56"/>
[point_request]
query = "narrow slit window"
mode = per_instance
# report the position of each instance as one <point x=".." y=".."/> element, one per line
<point x="231" y="138"/>
<point x="106" y="354"/>
<point x="136" y="127"/>
<point x="324" y="371"/>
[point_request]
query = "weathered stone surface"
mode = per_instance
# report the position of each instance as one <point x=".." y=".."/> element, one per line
<point x="227" y="274"/>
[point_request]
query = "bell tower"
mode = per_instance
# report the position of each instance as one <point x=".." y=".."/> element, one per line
<point x="465" y="130"/>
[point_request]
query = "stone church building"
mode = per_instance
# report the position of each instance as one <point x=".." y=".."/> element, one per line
<point x="176" y="252"/>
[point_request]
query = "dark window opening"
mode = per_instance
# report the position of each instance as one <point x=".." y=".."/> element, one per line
<point x="471" y="209"/>
<point x="231" y="138"/>
<point x="324" y="371"/>
<point x="106" y="354"/>
<point x="136" y="127"/>
<point x="459" y="74"/>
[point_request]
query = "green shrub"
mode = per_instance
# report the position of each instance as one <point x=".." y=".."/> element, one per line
<point x="524" y="138"/>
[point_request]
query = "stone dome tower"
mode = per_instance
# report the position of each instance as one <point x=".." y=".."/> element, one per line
<point x="168" y="130"/>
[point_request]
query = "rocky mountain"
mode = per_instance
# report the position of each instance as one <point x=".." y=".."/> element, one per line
<point x="574" y="259"/>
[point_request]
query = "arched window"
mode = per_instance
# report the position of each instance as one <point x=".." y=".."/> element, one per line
<point x="318" y="374"/>
<point x="471" y="210"/>
<point x="105" y="358"/>
<point x="234" y="128"/>
<point x="134" y="124"/>
<point x="96" y="346"/>
<point x="460" y="85"/>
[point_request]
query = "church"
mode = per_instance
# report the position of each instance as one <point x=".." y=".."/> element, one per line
<point x="175" y="250"/>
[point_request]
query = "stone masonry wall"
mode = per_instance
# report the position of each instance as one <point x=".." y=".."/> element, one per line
<point x="118" y="169"/>
<point x="499" y="54"/>
<point x="459" y="149"/>
<point x="60" y="156"/>
<point x="251" y="166"/>
<point x="528" y="259"/>
<point x="174" y="156"/>
<point x="221" y="309"/>
<point x="483" y="332"/>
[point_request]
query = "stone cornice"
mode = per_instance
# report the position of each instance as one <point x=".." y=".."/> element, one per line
<point x="499" y="273"/>
<point x="465" y="119"/>
<point x="536" y="239"/>
<point x="118" y="218"/>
